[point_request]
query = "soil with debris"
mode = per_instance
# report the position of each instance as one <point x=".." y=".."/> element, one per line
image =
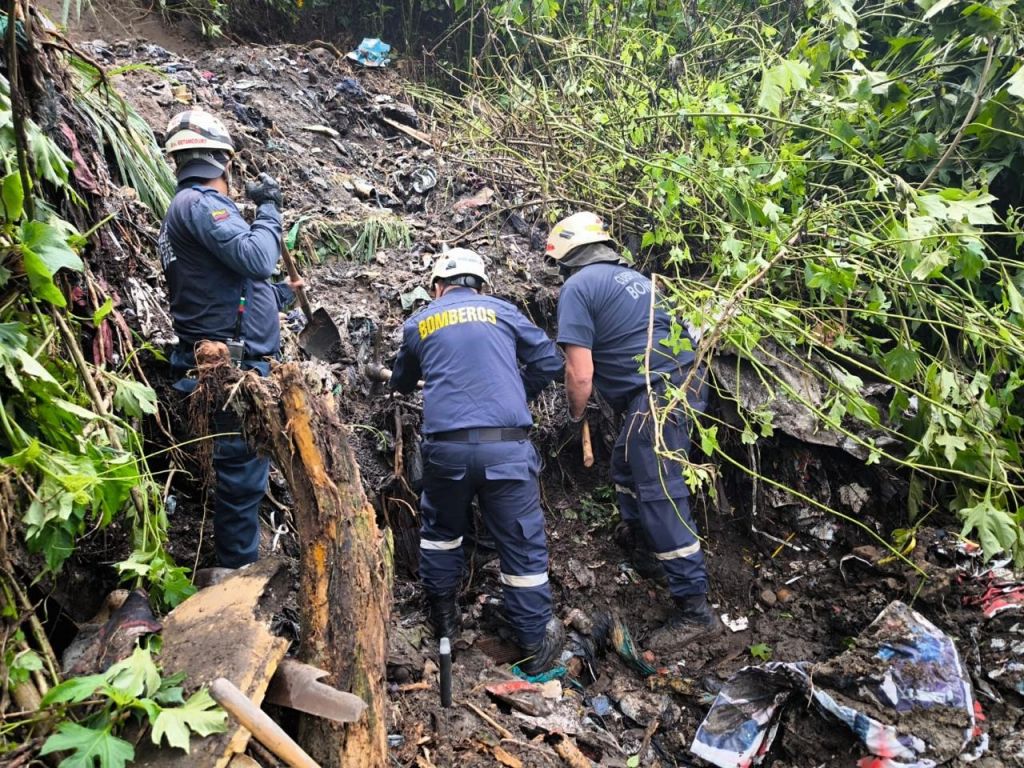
<point x="368" y="184"/>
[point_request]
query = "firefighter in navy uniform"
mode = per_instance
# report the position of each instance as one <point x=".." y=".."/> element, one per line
<point x="481" y="361"/>
<point x="218" y="270"/>
<point x="603" y="318"/>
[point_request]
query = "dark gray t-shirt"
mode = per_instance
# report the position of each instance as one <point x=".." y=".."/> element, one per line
<point x="605" y="308"/>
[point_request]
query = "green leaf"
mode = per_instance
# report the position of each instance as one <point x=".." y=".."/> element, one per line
<point x="135" y="676"/>
<point x="778" y="82"/>
<point x="45" y="251"/>
<point x="88" y="745"/>
<point x="133" y="397"/>
<point x="901" y="363"/>
<point x="952" y="445"/>
<point x="997" y="532"/>
<point x="200" y="714"/>
<point x="100" y="314"/>
<point x="1015" y="85"/>
<point x="74" y="690"/>
<point x="761" y="651"/>
<point x="13" y="197"/>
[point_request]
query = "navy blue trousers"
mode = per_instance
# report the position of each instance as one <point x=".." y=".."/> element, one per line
<point x="241" y="477"/>
<point x="652" y="492"/>
<point x="503" y="478"/>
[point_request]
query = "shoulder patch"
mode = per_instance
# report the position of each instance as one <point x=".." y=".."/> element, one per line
<point x="220" y="214"/>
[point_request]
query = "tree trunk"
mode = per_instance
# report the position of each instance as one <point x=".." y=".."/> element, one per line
<point x="345" y="585"/>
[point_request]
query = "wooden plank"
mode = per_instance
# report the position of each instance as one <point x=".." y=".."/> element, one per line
<point x="223" y="631"/>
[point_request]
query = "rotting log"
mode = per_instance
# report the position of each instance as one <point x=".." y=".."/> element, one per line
<point x="345" y="581"/>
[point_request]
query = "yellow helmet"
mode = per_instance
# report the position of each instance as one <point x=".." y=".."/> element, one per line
<point x="576" y="230"/>
<point x="458" y="261"/>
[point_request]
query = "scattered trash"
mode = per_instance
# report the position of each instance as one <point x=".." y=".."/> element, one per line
<point x="372" y="52"/>
<point x="112" y="633"/>
<point x="409" y="299"/>
<point x="903" y="669"/>
<point x="601" y="705"/>
<point x="424" y="179"/>
<point x="351" y="87"/>
<point x="739" y="624"/>
<point x="395" y="740"/>
<point x="480" y="199"/>
<point x="521" y="695"/>
<point x="326" y="130"/>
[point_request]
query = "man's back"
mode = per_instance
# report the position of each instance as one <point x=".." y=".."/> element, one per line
<point x="468" y="348"/>
<point x="216" y="264"/>
<point x="606" y="308"/>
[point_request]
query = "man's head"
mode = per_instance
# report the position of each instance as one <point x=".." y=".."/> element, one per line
<point x="459" y="266"/>
<point x="571" y="241"/>
<point x="200" y="145"/>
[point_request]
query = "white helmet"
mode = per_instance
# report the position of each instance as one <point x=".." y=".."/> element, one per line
<point x="458" y="261"/>
<point x="195" y="129"/>
<point x="576" y="230"/>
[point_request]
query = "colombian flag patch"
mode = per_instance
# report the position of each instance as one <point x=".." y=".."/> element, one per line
<point x="220" y="214"/>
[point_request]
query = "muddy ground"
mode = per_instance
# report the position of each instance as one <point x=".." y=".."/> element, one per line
<point x="349" y="148"/>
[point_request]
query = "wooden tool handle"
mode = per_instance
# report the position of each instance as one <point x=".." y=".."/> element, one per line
<point x="294" y="276"/>
<point x="588" y="448"/>
<point x="266" y="731"/>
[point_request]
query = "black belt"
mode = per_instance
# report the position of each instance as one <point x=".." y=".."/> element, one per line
<point x="482" y="435"/>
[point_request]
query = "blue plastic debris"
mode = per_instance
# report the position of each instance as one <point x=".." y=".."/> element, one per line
<point x="372" y="52"/>
<point x="552" y="674"/>
<point x="601" y="705"/>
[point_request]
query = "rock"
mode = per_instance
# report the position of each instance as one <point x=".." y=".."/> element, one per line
<point x="784" y="595"/>
<point x="768" y="597"/>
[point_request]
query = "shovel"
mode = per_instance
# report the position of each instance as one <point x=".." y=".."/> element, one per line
<point x="320" y="336"/>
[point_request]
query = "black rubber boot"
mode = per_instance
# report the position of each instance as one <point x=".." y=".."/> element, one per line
<point x="445" y="615"/>
<point x="640" y="555"/>
<point x="544" y="655"/>
<point x="694" y="620"/>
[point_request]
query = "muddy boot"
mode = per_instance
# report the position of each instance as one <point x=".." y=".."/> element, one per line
<point x="543" y="656"/>
<point x="694" y="621"/>
<point x="445" y="615"/>
<point x="633" y="539"/>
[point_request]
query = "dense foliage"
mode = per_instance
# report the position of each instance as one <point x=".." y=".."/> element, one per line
<point x="829" y="188"/>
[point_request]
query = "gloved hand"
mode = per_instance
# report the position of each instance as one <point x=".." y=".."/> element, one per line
<point x="296" y="320"/>
<point x="266" y="190"/>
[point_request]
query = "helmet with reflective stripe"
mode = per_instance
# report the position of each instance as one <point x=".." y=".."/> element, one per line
<point x="456" y="262"/>
<point x="576" y="230"/>
<point x="197" y="130"/>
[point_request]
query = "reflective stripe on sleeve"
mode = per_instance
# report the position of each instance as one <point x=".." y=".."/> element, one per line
<point x="692" y="549"/>
<point x="625" y="490"/>
<point x="529" y="580"/>
<point x="453" y="544"/>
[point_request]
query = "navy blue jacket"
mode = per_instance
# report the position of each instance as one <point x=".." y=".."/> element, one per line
<point x="212" y="258"/>
<point x="606" y="308"/>
<point x="480" y="358"/>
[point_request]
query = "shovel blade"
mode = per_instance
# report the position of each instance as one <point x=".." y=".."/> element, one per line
<point x="320" y="338"/>
<point x="296" y="685"/>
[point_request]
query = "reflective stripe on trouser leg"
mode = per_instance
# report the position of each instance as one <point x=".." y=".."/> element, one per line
<point x="241" y="481"/>
<point x="662" y="498"/>
<point x="510" y="503"/>
<point x="444" y="514"/>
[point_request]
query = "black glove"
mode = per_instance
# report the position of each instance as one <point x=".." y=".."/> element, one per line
<point x="266" y="190"/>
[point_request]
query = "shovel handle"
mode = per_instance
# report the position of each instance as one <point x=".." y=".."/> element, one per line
<point x="267" y="732"/>
<point x="294" y="276"/>
<point x="588" y="447"/>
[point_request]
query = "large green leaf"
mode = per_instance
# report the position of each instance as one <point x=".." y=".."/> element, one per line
<point x="88" y="745"/>
<point x="45" y="250"/>
<point x="200" y="714"/>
